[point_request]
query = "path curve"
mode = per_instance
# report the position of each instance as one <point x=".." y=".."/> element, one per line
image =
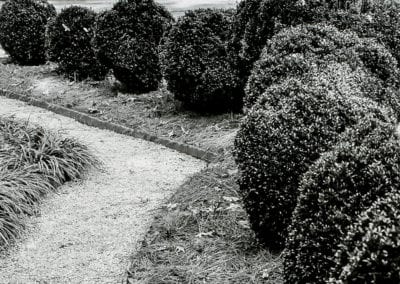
<point x="87" y="231"/>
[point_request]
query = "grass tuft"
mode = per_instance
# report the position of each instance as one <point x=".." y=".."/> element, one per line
<point x="33" y="162"/>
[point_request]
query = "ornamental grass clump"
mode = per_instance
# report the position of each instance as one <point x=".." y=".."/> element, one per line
<point x="68" y="42"/>
<point x="33" y="163"/>
<point x="342" y="183"/>
<point x="196" y="65"/>
<point x="281" y="136"/>
<point x="22" y="29"/>
<point x="370" y="251"/>
<point x="127" y="39"/>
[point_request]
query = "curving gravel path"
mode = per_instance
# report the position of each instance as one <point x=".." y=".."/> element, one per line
<point x="87" y="231"/>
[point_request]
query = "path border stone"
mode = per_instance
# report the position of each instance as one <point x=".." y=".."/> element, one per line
<point x="89" y="120"/>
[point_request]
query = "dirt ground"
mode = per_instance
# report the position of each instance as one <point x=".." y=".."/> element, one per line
<point x="155" y="112"/>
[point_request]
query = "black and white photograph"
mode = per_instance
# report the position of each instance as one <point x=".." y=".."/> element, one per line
<point x="200" y="141"/>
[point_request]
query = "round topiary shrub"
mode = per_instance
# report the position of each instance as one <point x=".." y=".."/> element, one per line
<point x="298" y="50"/>
<point x="22" y="29"/>
<point x="288" y="129"/>
<point x="370" y="252"/>
<point x="363" y="167"/>
<point x="256" y="21"/>
<point x="379" y="19"/>
<point x="196" y="65"/>
<point x="127" y="39"/>
<point x="68" y="40"/>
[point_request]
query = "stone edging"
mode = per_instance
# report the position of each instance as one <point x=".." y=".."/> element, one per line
<point x="95" y="122"/>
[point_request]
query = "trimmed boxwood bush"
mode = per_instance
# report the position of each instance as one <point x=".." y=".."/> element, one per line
<point x="68" y="41"/>
<point x="127" y="39"/>
<point x="288" y="129"/>
<point x="363" y="167"/>
<point x="196" y="65"/>
<point x="256" y="21"/>
<point x="22" y="29"/>
<point x="370" y="252"/>
<point x="380" y="20"/>
<point x="298" y="50"/>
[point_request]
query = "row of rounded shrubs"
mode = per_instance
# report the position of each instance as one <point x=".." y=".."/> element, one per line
<point x="318" y="155"/>
<point x="205" y="56"/>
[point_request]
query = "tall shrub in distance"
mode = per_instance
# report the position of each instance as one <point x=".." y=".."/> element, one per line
<point x="127" y="39"/>
<point x="361" y="168"/>
<point x="256" y="21"/>
<point x="299" y="50"/>
<point x="22" y="29"/>
<point x="378" y="19"/>
<point x="68" y="41"/>
<point x="291" y="125"/>
<point x="196" y="64"/>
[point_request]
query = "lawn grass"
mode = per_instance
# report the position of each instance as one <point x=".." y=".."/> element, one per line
<point x="202" y="236"/>
<point x="33" y="162"/>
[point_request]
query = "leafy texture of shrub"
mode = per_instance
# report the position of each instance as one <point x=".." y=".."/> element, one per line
<point x="380" y="20"/>
<point x="256" y="21"/>
<point x="126" y="40"/>
<point x="33" y="163"/>
<point x="363" y="167"/>
<point x="22" y="29"/>
<point x="68" y="41"/>
<point x="196" y="65"/>
<point x="370" y="252"/>
<point x="298" y="50"/>
<point x="288" y="129"/>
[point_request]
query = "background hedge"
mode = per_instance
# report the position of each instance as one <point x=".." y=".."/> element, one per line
<point x="298" y="50"/>
<point x="127" y="39"/>
<point x="195" y="62"/>
<point x="68" y="41"/>
<point x="22" y="29"/>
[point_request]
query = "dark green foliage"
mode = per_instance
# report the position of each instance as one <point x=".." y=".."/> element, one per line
<point x="68" y="41"/>
<point x="298" y="50"/>
<point x="288" y="129"/>
<point x="126" y="40"/>
<point x="370" y="252"/>
<point x="196" y="65"/>
<point x="22" y="29"/>
<point x="334" y="191"/>
<point x="256" y="21"/>
<point x="380" y="20"/>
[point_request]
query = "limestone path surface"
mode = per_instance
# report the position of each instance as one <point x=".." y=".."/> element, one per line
<point x="88" y="229"/>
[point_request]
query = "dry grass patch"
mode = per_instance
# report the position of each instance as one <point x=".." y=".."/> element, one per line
<point x="155" y="112"/>
<point x="202" y="236"/>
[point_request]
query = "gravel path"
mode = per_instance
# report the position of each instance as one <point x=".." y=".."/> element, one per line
<point x="87" y="231"/>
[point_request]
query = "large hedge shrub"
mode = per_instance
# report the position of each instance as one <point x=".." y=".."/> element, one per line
<point x="22" y="29"/>
<point x="68" y="41"/>
<point x="380" y="19"/>
<point x="363" y="167"/>
<point x="127" y="39"/>
<point x="370" y="252"/>
<point x="196" y="65"/>
<point x="256" y="21"/>
<point x="288" y="129"/>
<point x="298" y="50"/>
